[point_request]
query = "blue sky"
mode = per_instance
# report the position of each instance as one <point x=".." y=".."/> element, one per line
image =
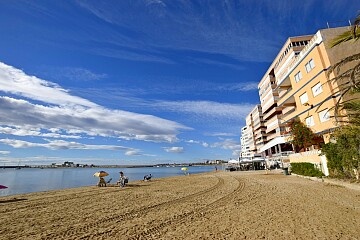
<point x="140" y="81"/>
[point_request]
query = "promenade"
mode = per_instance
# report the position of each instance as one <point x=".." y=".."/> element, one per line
<point x="216" y="205"/>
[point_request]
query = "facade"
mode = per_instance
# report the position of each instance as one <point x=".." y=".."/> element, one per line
<point x="244" y="141"/>
<point x="276" y="144"/>
<point x="297" y="85"/>
<point x="255" y="131"/>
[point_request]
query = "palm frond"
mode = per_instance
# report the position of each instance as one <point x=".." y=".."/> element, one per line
<point x="352" y="34"/>
<point x="337" y="66"/>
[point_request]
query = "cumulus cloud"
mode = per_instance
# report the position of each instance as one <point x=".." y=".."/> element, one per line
<point x="174" y="149"/>
<point x="75" y="116"/>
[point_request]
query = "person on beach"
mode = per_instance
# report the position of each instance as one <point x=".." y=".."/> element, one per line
<point x="215" y="168"/>
<point x="101" y="182"/>
<point x="122" y="179"/>
<point x="147" y="177"/>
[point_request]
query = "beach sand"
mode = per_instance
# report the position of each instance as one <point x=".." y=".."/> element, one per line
<point x="217" y="205"/>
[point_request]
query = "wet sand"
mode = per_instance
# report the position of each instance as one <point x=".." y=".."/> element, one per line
<point x="217" y="205"/>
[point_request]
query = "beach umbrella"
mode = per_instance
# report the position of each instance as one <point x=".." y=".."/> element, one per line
<point x="3" y="187"/>
<point x="101" y="174"/>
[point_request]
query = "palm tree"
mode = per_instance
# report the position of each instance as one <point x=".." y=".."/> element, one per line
<point x="348" y="80"/>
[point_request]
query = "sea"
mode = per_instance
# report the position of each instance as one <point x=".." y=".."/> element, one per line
<point x="27" y="180"/>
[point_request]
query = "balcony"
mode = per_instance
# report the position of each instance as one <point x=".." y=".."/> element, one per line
<point x="284" y="90"/>
<point x="273" y="135"/>
<point x="287" y="110"/>
<point x="287" y="98"/>
<point x="281" y="76"/>
<point x="271" y="112"/>
<point x="273" y="123"/>
<point x="290" y="115"/>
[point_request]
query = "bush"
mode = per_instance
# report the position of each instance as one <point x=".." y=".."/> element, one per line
<point x="306" y="169"/>
<point x="343" y="155"/>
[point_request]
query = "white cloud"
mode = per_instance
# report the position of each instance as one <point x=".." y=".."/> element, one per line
<point x="4" y="152"/>
<point x="29" y="131"/>
<point x="16" y="82"/>
<point x="71" y="73"/>
<point x="205" y="144"/>
<point x="174" y="149"/>
<point x="208" y="108"/>
<point x="228" y="144"/>
<point x="73" y="115"/>
<point x="64" y="145"/>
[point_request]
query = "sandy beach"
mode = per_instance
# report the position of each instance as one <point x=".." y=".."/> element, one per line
<point x="217" y="205"/>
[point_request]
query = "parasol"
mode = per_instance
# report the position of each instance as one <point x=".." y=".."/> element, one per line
<point x="101" y="174"/>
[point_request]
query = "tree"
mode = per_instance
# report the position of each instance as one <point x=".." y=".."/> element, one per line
<point x="301" y="136"/>
<point x="343" y="153"/>
<point x="348" y="78"/>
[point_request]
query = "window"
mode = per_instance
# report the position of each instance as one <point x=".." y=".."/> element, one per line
<point x="324" y="115"/>
<point x="309" y="65"/>
<point x="298" y="76"/>
<point x="310" y="121"/>
<point x="317" y="89"/>
<point x="304" y="98"/>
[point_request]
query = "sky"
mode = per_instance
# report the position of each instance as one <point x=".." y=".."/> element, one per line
<point x="140" y="81"/>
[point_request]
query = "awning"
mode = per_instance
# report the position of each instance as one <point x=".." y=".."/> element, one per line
<point x="275" y="141"/>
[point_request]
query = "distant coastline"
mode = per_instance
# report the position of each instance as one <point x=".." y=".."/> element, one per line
<point x="108" y="166"/>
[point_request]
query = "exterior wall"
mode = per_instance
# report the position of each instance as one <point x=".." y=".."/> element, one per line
<point x="244" y="140"/>
<point x="324" y="99"/>
<point x="269" y="94"/>
<point x="282" y="90"/>
<point x="256" y="129"/>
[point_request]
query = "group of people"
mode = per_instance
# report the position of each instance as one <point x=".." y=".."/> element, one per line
<point x="122" y="180"/>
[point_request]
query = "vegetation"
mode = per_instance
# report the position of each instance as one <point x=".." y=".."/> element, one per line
<point x="344" y="155"/>
<point x="348" y="78"/>
<point x="343" y="152"/>
<point x="302" y="136"/>
<point x="306" y="169"/>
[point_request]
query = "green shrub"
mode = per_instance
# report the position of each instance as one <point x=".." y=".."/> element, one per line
<point x="306" y="169"/>
<point x="343" y="155"/>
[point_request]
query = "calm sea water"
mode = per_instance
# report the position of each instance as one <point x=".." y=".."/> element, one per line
<point x="28" y="180"/>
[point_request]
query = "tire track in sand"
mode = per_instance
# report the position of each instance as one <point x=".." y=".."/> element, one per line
<point x="73" y="233"/>
<point x="153" y="232"/>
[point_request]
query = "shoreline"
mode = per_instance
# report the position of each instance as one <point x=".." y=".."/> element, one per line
<point x="213" y="205"/>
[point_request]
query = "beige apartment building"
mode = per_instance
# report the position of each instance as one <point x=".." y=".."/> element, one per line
<point x="277" y="144"/>
<point x="297" y="85"/>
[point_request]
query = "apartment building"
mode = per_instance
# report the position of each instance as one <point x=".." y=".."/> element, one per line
<point x="277" y="143"/>
<point x="244" y="141"/>
<point x="305" y="90"/>
<point x="255" y="129"/>
<point x="296" y="85"/>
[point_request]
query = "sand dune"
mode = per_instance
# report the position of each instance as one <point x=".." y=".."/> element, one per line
<point x="218" y="205"/>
